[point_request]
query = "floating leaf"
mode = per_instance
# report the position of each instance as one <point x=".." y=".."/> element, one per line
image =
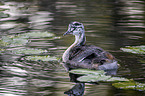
<point x="40" y="58"/>
<point x="134" y="49"/>
<point x="37" y="34"/>
<point x="93" y="78"/>
<point x="2" y="43"/>
<point x="117" y="79"/>
<point x="1" y="50"/>
<point x="130" y="85"/>
<point x="28" y="51"/>
<point x="12" y="41"/>
<point x="87" y="71"/>
<point x="21" y="39"/>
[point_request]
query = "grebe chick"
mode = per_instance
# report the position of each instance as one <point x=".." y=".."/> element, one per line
<point x="79" y="55"/>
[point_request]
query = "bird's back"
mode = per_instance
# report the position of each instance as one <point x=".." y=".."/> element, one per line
<point x="88" y="56"/>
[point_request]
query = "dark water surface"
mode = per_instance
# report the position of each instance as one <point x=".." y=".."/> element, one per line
<point x="110" y="24"/>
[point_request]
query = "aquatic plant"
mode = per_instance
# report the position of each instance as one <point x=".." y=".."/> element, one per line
<point x="10" y="41"/>
<point x="134" y="49"/>
<point x="130" y="85"/>
<point x="95" y="76"/>
<point x="22" y="39"/>
<point x="99" y="76"/>
<point x="87" y="71"/>
<point x="2" y="50"/>
<point x="36" y="34"/>
<point x="40" y="58"/>
<point x="28" y="51"/>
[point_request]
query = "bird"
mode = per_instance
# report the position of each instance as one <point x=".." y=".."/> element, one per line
<point x="80" y="55"/>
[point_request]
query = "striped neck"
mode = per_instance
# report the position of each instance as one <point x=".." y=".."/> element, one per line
<point x="79" y="41"/>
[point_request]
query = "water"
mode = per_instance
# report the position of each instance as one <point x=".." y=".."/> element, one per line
<point x="109" y="24"/>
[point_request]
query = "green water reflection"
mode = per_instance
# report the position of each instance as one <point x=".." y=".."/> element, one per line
<point x="110" y="24"/>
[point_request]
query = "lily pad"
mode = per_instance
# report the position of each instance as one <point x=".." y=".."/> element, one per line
<point x="99" y="76"/>
<point x="12" y="41"/>
<point x="41" y="58"/>
<point x="134" y="49"/>
<point x="28" y="51"/>
<point x="130" y="85"/>
<point x="87" y="71"/>
<point x="37" y="34"/>
<point x="21" y="39"/>
<point x="117" y="79"/>
<point x="3" y="43"/>
<point x="2" y="50"/>
<point x="93" y="78"/>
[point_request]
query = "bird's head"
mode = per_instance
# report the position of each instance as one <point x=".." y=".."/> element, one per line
<point x="75" y="28"/>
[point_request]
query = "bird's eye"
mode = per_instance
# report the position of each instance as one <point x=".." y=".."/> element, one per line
<point x="79" y="29"/>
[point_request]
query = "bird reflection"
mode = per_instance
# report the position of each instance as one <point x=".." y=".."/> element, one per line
<point x="76" y="90"/>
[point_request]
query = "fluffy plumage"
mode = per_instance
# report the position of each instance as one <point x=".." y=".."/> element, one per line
<point x="79" y="55"/>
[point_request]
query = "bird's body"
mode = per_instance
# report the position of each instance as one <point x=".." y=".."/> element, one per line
<point x="79" y="55"/>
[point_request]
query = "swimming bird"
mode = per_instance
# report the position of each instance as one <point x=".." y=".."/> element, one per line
<point x="79" y="55"/>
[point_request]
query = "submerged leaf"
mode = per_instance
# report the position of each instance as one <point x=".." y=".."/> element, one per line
<point x="130" y="85"/>
<point x="40" y="58"/>
<point x="28" y="51"/>
<point x="87" y="71"/>
<point x="93" y="78"/>
<point x="134" y="49"/>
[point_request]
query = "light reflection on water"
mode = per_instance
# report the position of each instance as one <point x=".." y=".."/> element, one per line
<point x="109" y="24"/>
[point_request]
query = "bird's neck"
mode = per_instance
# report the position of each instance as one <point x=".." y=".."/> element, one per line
<point x="79" y="41"/>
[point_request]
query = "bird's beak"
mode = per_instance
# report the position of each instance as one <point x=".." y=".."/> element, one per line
<point x="68" y="32"/>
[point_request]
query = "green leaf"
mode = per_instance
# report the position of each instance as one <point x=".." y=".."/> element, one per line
<point x="87" y="71"/>
<point x="22" y="39"/>
<point x="130" y="85"/>
<point x="93" y="78"/>
<point x="41" y="58"/>
<point x="134" y="49"/>
<point x="36" y="34"/>
<point x="12" y="41"/>
<point x="117" y="79"/>
<point x="3" y="43"/>
<point x="2" y="50"/>
<point x="28" y="51"/>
